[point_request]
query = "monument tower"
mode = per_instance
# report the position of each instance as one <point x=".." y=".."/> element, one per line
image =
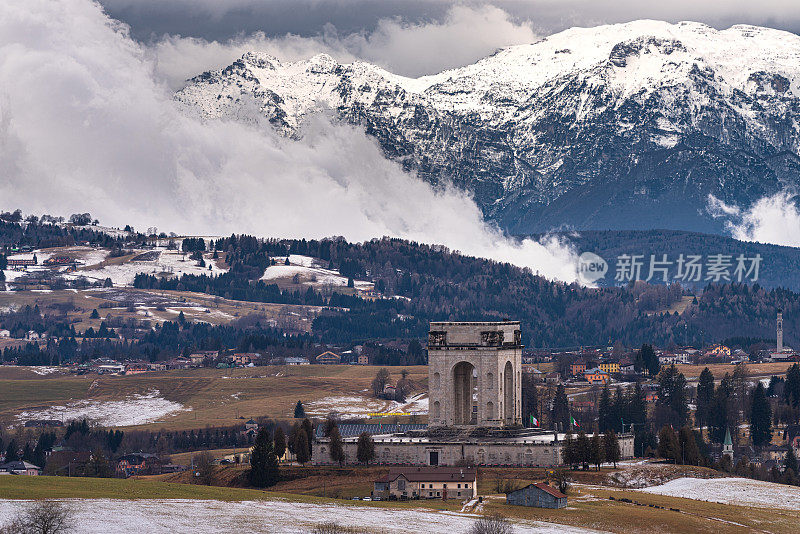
<point x="475" y="374"/>
<point x="780" y="331"/>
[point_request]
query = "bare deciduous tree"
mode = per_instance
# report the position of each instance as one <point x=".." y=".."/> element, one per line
<point x="204" y="468"/>
<point x="41" y="517"/>
<point x="491" y="524"/>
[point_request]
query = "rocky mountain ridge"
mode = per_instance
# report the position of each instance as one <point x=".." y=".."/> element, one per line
<point x="626" y="126"/>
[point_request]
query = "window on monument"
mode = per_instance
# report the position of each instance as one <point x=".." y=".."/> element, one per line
<point x="436" y="410"/>
<point x="437" y="380"/>
<point x="490" y="410"/>
<point x="489" y="381"/>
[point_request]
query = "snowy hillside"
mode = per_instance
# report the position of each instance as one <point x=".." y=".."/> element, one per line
<point x="649" y="116"/>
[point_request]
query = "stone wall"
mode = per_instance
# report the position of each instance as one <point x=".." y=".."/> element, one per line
<point x="418" y="451"/>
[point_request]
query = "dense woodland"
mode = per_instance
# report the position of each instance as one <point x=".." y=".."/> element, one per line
<point x="435" y="283"/>
<point x="421" y="283"/>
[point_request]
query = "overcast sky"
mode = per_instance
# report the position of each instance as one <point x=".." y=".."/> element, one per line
<point x="224" y="19"/>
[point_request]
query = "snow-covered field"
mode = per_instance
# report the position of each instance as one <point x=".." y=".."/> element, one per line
<point x="169" y="261"/>
<point x="135" y="410"/>
<point x="740" y="491"/>
<point x="360" y="406"/>
<point x="99" y="516"/>
<point x="309" y="271"/>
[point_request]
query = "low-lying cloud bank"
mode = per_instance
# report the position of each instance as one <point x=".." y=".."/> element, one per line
<point x="87" y="124"/>
<point x="463" y="36"/>
<point x="774" y="219"/>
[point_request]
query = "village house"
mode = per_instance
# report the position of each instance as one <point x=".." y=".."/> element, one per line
<point x="295" y="360"/>
<point x="718" y="351"/>
<point x="32" y="336"/>
<point x="540" y="495"/>
<point x="5" y="334"/>
<point x="577" y="368"/>
<point x="110" y="368"/>
<point x="179" y="363"/>
<point x="427" y="483"/>
<point x="197" y="358"/>
<point x="609" y="367"/>
<point x="20" y="467"/>
<point x="329" y="358"/>
<point x="20" y="263"/>
<point x="139" y="463"/>
<point x="250" y="428"/>
<point x="596" y="376"/>
<point x="157" y="366"/>
<point x="244" y="358"/>
<point x="363" y="359"/>
<point x="552" y="378"/>
<point x="136" y="368"/>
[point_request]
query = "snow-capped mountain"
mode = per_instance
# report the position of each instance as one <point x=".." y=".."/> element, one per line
<point x="620" y="126"/>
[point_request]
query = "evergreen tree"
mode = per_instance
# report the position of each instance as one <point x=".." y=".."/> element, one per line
<point x="605" y="411"/>
<point x="583" y="450"/>
<point x="646" y="360"/>
<point x="263" y="462"/>
<point x="336" y="447"/>
<point x="611" y="447"/>
<point x="568" y="450"/>
<point x="690" y="453"/>
<point x="299" y="411"/>
<point x="791" y="390"/>
<point x="760" y="417"/>
<point x="705" y="396"/>
<point x="309" y="430"/>
<point x="719" y="417"/>
<point x="560" y="415"/>
<point x="280" y="442"/>
<point x="597" y="451"/>
<point x="668" y="444"/>
<point x="790" y="461"/>
<point x="637" y="411"/>
<point x="672" y="396"/>
<point x="12" y="451"/>
<point x="365" y="452"/>
<point x="301" y="447"/>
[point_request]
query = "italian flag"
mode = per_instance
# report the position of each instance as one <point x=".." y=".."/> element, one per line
<point x="573" y="422"/>
<point x="534" y="421"/>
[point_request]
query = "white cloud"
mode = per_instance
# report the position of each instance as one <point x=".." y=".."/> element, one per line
<point x="86" y="126"/>
<point x="465" y="35"/>
<point x="774" y="219"/>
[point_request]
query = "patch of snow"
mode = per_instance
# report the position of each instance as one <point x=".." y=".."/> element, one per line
<point x="307" y="273"/>
<point x="134" y="410"/>
<point x="99" y="516"/>
<point x="43" y="370"/>
<point x="739" y="491"/>
<point x="169" y="261"/>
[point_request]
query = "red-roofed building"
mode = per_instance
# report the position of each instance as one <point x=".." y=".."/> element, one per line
<point x="538" y="495"/>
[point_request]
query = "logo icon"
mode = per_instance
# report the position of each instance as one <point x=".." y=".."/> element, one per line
<point x="591" y="267"/>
